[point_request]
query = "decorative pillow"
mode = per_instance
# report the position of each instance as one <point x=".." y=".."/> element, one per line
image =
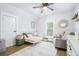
<point x="19" y="37"/>
<point x="34" y="34"/>
<point x="29" y="35"/>
<point x="24" y="34"/>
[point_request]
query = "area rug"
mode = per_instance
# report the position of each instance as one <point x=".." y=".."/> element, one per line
<point x="40" y="49"/>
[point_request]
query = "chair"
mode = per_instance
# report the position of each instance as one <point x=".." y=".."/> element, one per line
<point x="20" y="40"/>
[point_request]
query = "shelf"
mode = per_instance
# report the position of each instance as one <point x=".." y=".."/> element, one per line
<point x="74" y="43"/>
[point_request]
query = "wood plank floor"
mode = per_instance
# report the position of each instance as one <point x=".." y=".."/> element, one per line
<point x="14" y="49"/>
<point x="61" y="52"/>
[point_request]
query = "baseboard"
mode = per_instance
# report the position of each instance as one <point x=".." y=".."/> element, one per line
<point x="61" y="48"/>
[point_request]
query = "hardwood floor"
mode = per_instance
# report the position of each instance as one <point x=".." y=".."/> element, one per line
<point x="13" y="49"/>
<point x="61" y="52"/>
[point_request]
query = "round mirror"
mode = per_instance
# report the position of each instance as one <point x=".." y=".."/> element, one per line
<point x="63" y="23"/>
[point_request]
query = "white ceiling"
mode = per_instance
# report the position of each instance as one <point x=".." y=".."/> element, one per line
<point x="58" y="7"/>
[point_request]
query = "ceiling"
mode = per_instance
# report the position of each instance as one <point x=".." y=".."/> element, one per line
<point x="58" y="7"/>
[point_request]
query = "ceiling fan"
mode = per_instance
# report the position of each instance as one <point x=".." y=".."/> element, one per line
<point x="75" y="16"/>
<point x="44" y="6"/>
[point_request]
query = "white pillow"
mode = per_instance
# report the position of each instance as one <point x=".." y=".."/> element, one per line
<point x="29" y="35"/>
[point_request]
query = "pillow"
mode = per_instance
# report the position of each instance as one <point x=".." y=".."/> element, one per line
<point x="29" y="35"/>
<point x="19" y="37"/>
<point x="24" y="34"/>
<point x="34" y="34"/>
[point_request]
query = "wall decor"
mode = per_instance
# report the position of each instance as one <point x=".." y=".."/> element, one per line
<point x="63" y="23"/>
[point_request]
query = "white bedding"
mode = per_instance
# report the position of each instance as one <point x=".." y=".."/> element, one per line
<point x="33" y="39"/>
<point x="40" y="49"/>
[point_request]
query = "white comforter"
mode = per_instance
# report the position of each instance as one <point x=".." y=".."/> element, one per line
<point x="40" y="49"/>
<point x="33" y="39"/>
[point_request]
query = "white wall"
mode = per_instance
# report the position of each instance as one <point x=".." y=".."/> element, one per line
<point x="67" y="16"/>
<point x="76" y="24"/>
<point x="42" y="26"/>
<point x="23" y="19"/>
<point x="55" y="18"/>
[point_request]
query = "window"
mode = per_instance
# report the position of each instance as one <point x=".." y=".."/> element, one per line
<point x="50" y="29"/>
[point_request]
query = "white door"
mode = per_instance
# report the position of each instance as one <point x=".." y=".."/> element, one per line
<point x="8" y="29"/>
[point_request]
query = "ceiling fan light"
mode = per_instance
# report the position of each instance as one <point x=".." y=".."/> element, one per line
<point x="45" y="8"/>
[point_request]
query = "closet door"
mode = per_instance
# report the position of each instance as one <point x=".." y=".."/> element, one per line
<point x="8" y="29"/>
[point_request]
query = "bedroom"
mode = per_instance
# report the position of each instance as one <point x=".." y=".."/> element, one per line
<point x="44" y="25"/>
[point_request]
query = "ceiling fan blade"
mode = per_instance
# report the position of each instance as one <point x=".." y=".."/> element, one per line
<point x="43" y="4"/>
<point x="47" y="4"/>
<point x="75" y="16"/>
<point x="50" y="8"/>
<point x="38" y="7"/>
<point x="50" y="4"/>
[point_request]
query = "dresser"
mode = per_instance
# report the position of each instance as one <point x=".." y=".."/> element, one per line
<point x="61" y="43"/>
